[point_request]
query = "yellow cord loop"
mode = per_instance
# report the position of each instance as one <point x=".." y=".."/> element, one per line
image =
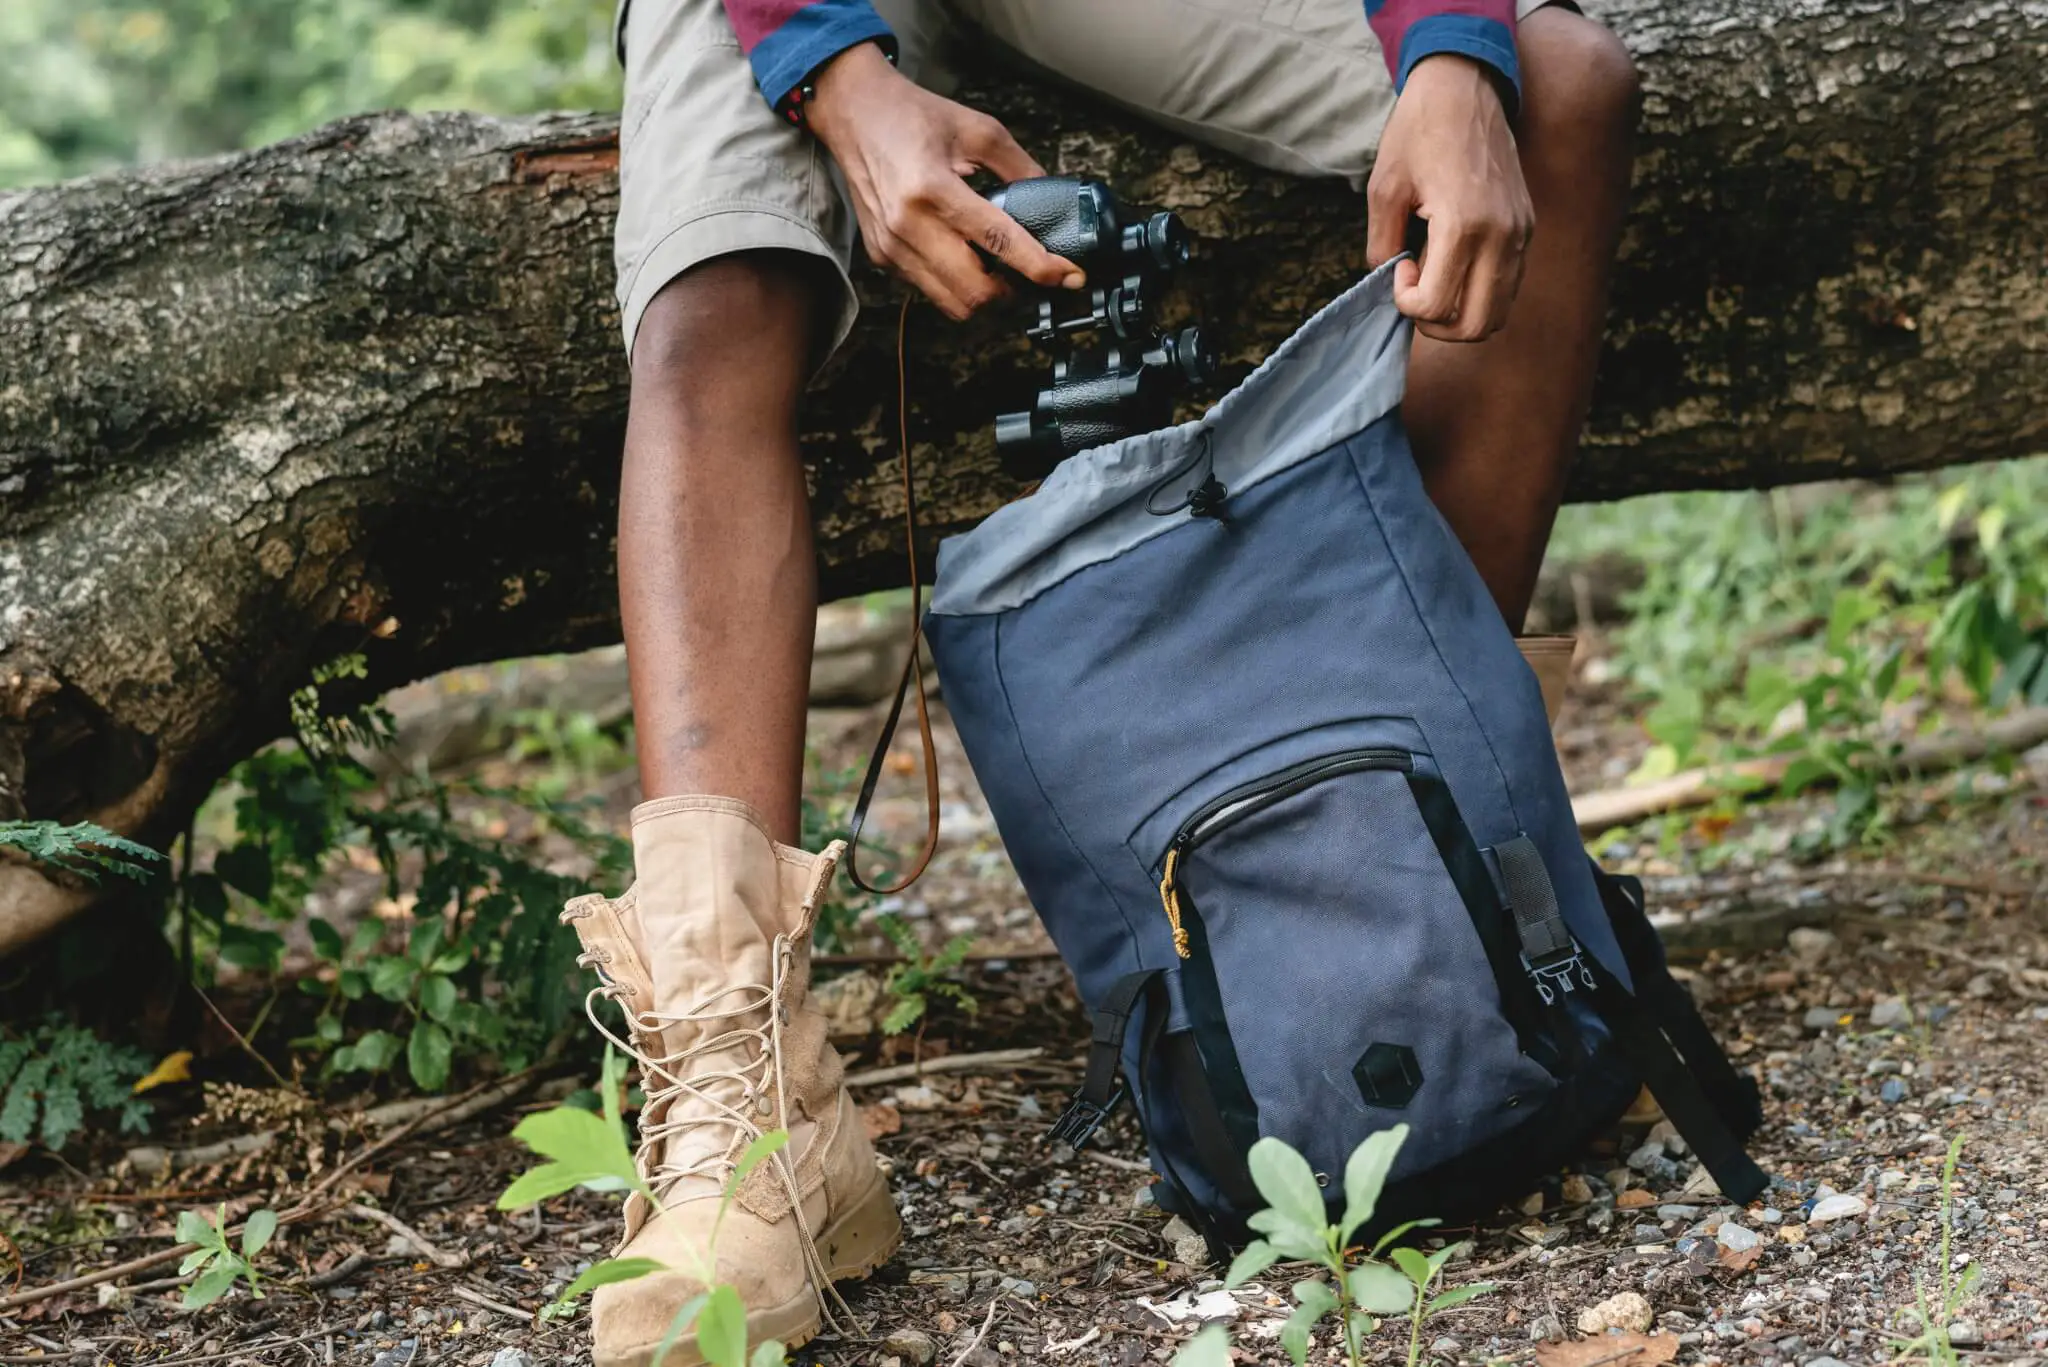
<point x="1169" y="897"/>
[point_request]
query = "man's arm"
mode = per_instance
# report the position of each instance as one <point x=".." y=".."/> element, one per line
<point x="786" y="40"/>
<point x="1410" y="30"/>
<point x="1448" y="157"/>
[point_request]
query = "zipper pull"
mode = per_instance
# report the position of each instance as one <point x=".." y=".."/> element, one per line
<point x="1169" y="897"/>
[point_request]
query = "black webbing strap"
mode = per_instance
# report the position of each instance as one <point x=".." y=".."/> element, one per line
<point x="1100" y="1094"/>
<point x="1552" y="958"/>
<point x="1100" y="1091"/>
<point x="1641" y="1042"/>
<point x="1732" y="1092"/>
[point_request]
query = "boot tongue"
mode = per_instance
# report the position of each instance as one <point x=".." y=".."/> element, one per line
<point x="707" y="893"/>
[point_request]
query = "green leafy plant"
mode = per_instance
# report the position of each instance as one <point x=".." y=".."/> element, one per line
<point x="1936" y="1307"/>
<point x="484" y="968"/>
<point x="922" y="977"/>
<point x="219" y="1263"/>
<point x="1294" y="1227"/>
<point x="588" y="1150"/>
<point x="81" y="848"/>
<point x="53" y="1075"/>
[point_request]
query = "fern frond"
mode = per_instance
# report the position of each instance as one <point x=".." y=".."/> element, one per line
<point x="81" y="848"/>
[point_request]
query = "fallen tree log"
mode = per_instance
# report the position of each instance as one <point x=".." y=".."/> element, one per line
<point x="362" y="390"/>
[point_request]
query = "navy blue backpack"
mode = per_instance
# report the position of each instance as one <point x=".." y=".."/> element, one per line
<point x="1282" y="788"/>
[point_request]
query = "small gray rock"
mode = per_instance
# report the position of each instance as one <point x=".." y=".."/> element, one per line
<point x="1810" y="944"/>
<point x="1447" y="1347"/>
<point x="1735" y="1238"/>
<point x="397" y="1357"/>
<point x="914" y="1346"/>
<point x="1545" y="1328"/>
<point x="1891" y="1014"/>
<point x="1017" y="1286"/>
<point x="511" y="1357"/>
<point x="1825" y="1362"/>
<point x="1893" y="1091"/>
<point x="1965" y="1334"/>
<point x="1840" y="1206"/>
<point x="1823" y="1017"/>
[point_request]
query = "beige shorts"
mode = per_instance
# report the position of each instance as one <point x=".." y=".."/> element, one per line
<point x="707" y="168"/>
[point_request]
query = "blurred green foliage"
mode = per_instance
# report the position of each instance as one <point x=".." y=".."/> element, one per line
<point x="91" y="84"/>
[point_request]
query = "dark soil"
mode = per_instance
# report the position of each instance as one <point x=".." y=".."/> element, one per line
<point x="1888" y="1002"/>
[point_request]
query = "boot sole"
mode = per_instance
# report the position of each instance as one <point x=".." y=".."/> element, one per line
<point x="852" y="1247"/>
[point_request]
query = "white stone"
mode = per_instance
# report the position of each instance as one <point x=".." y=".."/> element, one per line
<point x="1842" y="1206"/>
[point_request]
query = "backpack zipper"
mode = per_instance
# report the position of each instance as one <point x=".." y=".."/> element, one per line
<point x="1228" y="808"/>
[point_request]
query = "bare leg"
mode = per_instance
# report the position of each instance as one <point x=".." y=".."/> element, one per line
<point x="717" y="582"/>
<point x="1496" y="423"/>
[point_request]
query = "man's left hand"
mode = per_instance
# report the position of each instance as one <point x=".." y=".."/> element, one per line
<point x="1449" y="158"/>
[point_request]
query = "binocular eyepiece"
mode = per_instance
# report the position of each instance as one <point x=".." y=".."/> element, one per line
<point x="1130" y="385"/>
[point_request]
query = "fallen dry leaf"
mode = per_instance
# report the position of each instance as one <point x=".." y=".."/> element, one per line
<point x="176" y="1067"/>
<point x="880" y="1120"/>
<point x="1609" y="1350"/>
<point x="1739" y="1260"/>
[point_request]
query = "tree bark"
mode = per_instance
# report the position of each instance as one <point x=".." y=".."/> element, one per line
<point x="363" y="389"/>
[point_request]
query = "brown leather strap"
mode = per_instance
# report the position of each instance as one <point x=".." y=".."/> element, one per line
<point x="913" y="672"/>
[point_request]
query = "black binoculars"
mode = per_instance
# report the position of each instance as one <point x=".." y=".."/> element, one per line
<point x="1130" y="385"/>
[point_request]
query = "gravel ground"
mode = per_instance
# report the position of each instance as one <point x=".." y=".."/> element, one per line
<point x="1888" y="1003"/>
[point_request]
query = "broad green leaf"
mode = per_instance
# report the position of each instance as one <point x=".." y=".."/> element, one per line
<point x="1364" y="1174"/>
<point x="194" y="1228"/>
<point x="256" y="1232"/>
<point x="353" y="982"/>
<point x="196" y="1259"/>
<point x="679" y="1326"/>
<point x="260" y="950"/>
<point x="722" y="1329"/>
<point x="1209" y="1348"/>
<point x="1289" y="1239"/>
<point x="1313" y="1300"/>
<point x="1443" y="1255"/>
<point x="326" y="939"/>
<point x="1803" y="773"/>
<point x="609" y="1271"/>
<point x="365" y="937"/>
<point x="391" y="978"/>
<point x="428" y="1054"/>
<point x="1285" y="1179"/>
<point x="425" y="939"/>
<point x="449" y="961"/>
<point x="1458" y="1295"/>
<point x="763" y="1148"/>
<point x="375" y="1051"/>
<point x="1381" y="1289"/>
<point x="211" y="1285"/>
<point x="1258" y="1255"/>
<point x="246" y="869"/>
<point x="437" y="997"/>
<point x="552" y="1179"/>
<point x="768" y="1353"/>
<point x="576" y="1137"/>
<point x="1415" y="1266"/>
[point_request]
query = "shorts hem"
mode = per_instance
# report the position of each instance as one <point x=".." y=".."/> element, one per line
<point x="721" y="230"/>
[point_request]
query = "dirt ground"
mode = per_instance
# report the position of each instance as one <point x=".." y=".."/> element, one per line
<point x="1887" y="1002"/>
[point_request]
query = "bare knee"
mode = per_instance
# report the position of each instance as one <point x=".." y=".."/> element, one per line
<point x="1578" y="79"/>
<point x="734" y="330"/>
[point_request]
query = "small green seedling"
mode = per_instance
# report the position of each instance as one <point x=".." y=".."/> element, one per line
<point x="585" y="1150"/>
<point x="915" y="982"/>
<point x="1937" y="1311"/>
<point x="220" y="1264"/>
<point x="1357" y="1290"/>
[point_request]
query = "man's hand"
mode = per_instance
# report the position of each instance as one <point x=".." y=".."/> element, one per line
<point x="1448" y="157"/>
<point x="905" y="152"/>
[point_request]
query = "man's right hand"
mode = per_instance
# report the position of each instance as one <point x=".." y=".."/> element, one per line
<point x="906" y="153"/>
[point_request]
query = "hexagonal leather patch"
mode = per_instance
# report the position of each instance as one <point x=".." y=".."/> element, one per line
<point x="1387" y="1075"/>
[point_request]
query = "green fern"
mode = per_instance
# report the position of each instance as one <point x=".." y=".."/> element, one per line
<point x="81" y="848"/>
<point x="916" y="982"/>
<point x="52" y="1077"/>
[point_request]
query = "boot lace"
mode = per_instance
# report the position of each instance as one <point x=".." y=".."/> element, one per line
<point x="671" y="1085"/>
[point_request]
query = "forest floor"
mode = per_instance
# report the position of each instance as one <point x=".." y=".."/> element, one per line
<point x="1888" y="1001"/>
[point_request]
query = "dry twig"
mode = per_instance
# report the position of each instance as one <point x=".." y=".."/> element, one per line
<point x="950" y="1063"/>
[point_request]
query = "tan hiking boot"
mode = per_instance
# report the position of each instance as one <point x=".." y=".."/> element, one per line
<point x="1551" y="659"/>
<point x="709" y="956"/>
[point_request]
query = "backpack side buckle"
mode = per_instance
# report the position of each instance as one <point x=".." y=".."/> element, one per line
<point x="1082" y="1118"/>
